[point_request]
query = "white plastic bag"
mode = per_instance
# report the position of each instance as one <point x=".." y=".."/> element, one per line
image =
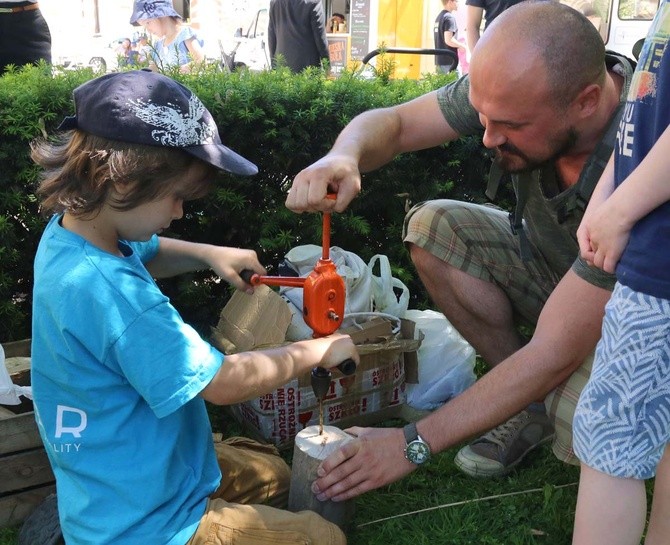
<point x="365" y="291"/>
<point x="10" y="392"/>
<point x="446" y="361"/>
<point x="384" y="296"/>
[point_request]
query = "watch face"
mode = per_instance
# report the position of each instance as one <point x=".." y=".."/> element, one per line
<point x="417" y="452"/>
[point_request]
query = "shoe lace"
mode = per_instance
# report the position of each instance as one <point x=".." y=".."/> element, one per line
<point x="504" y="433"/>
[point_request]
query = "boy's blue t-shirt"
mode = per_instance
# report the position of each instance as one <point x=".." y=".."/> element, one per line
<point x="116" y="375"/>
<point x="645" y="262"/>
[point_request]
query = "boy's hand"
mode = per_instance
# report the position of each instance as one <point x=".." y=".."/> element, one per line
<point x="229" y="262"/>
<point x="603" y="235"/>
<point x="330" y="351"/>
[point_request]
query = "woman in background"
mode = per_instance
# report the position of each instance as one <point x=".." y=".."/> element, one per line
<point x="177" y="46"/>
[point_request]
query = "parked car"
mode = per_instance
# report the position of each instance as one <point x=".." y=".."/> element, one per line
<point x="244" y="49"/>
<point x="98" y="53"/>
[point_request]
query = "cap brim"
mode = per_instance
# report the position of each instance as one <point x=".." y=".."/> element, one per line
<point x="224" y="158"/>
<point x="140" y="13"/>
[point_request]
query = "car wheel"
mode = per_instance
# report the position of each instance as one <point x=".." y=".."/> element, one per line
<point x="42" y="526"/>
<point x="98" y="64"/>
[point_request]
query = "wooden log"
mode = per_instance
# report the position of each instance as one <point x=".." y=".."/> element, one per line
<point x="309" y="451"/>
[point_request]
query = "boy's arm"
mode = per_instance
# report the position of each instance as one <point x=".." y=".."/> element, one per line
<point x="179" y="256"/>
<point x="247" y="375"/>
<point x="647" y="187"/>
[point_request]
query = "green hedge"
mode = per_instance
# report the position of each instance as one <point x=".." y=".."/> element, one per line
<point x="280" y="121"/>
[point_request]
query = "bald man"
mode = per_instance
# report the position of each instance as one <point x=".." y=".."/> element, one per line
<point x="544" y="115"/>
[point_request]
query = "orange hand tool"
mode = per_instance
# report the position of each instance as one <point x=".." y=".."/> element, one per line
<point x="324" y="295"/>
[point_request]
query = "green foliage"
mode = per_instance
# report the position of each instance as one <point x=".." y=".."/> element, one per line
<point x="281" y="121"/>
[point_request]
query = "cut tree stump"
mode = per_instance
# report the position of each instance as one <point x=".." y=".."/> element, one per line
<point x="309" y="451"/>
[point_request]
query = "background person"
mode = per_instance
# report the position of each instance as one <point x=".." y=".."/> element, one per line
<point x="336" y="20"/>
<point x="488" y="10"/>
<point x="622" y="421"/>
<point x="177" y="45"/>
<point x="143" y="49"/>
<point x="468" y="256"/>
<point x="445" y="32"/>
<point x="119" y="380"/>
<point x="24" y="34"/>
<point x="297" y="32"/>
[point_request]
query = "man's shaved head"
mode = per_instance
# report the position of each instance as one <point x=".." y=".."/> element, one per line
<point x="547" y="40"/>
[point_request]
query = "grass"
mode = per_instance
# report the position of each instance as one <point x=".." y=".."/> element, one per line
<point x="533" y="505"/>
<point x="543" y="516"/>
<point x="540" y="511"/>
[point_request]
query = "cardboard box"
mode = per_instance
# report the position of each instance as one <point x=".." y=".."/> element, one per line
<point x="25" y="474"/>
<point x="376" y="392"/>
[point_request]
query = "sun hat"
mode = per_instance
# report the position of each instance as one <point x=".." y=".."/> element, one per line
<point x="144" y="107"/>
<point x="152" y="9"/>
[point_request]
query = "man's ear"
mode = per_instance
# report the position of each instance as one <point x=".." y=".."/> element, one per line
<point x="587" y="101"/>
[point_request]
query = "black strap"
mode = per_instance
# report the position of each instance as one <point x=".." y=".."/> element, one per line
<point x="495" y="176"/>
<point x="588" y="178"/>
<point x="522" y="183"/>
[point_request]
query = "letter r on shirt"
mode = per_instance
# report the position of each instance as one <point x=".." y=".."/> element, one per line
<point x="77" y="416"/>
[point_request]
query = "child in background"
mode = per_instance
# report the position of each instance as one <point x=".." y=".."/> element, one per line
<point x="119" y="380"/>
<point x="622" y="420"/>
<point x="177" y="45"/>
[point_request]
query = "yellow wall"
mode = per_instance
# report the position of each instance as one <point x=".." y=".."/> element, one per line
<point x="401" y="25"/>
<point x="409" y="23"/>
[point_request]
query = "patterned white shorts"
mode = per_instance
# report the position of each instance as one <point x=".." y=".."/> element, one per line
<point x="622" y="422"/>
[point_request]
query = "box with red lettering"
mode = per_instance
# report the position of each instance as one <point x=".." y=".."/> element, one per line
<point x="376" y="392"/>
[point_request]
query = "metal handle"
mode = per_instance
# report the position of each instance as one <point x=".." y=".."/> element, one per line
<point x="347" y="367"/>
<point x="248" y="276"/>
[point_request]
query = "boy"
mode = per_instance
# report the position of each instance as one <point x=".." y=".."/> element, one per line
<point x="622" y="421"/>
<point x="119" y="380"/>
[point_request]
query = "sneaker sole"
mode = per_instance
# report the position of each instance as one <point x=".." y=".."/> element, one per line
<point x="486" y="468"/>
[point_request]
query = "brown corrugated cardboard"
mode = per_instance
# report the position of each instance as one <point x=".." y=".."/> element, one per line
<point x="376" y="392"/>
<point x="251" y="321"/>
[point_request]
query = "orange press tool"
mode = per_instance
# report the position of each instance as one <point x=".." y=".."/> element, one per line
<point x="324" y="294"/>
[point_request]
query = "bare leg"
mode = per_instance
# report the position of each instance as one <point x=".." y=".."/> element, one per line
<point x="479" y="310"/>
<point x="658" y="532"/>
<point x="610" y="510"/>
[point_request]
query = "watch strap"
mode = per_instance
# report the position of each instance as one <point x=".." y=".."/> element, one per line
<point x="411" y="433"/>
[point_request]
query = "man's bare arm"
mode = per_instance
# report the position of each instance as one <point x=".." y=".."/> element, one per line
<point x="473" y="22"/>
<point x="369" y="141"/>
<point x="567" y="331"/>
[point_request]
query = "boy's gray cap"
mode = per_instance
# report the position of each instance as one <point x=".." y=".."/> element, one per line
<point x="152" y="9"/>
<point x="144" y="107"/>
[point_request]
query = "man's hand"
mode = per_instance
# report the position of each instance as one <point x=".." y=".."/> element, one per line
<point x="332" y="173"/>
<point x="375" y="458"/>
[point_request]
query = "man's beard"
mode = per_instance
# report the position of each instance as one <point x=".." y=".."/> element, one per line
<point x="512" y="159"/>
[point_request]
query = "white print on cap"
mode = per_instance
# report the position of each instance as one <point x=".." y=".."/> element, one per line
<point x="181" y="129"/>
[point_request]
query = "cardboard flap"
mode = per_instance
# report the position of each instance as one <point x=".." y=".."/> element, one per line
<point x="249" y="321"/>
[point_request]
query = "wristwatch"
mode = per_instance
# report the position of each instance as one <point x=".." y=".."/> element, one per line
<point x="417" y="450"/>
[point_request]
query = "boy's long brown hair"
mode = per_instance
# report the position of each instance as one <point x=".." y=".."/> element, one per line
<point x="82" y="171"/>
